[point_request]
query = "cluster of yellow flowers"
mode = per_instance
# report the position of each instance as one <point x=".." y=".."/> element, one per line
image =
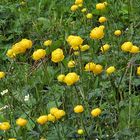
<point x="78" y="3"/>
<point x="19" y="48"/>
<point x="129" y="47"/>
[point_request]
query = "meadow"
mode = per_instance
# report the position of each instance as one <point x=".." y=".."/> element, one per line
<point x="69" y="70"/>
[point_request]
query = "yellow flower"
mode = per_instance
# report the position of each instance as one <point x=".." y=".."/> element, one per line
<point x="102" y="27"/>
<point x="53" y="110"/>
<point x="51" y="118"/>
<point x="77" y="2"/>
<point x="2" y="74"/>
<point x="10" y="53"/>
<point x="126" y="47"/>
<point x="98" y="69"/>
<point x="80" y="131"/>
<point x="97" y="33"/>
<point x="26" y="43"/>
<point x="84" y="47"/>
<point x="75" y="48"/>
<point x="21" y="122"/>
<point x="60" y="77"/>
<point x="78" y="109"/>
<point x="105" y="48"/>
<point x="59" y="114"/>
<point x="74" y="40"/>
<point x="42" y="119"/>
<point x="71" y="78"/>
<point x="80" y="5"/>
<point x="117" y="32"/>
<point x="110" y="70"/>
<point x="134" y="49"/>
<point x="138" y="70"/>
<point x="39" y="54"/>
<point x="90" y="66"/>
<point x="96" y="112"/>
<point x="18" y="48"/>
<point x="57" y="55"/>
<point x="48" y="43"/>
<point x="71" y="64"/>
<point x="84" y="10"/>
<point x="5" y="126"/>
<point x="76" y="53"/>
<point x="89" y="16"/>
<point x="102" y="19"/>
<point x="11" y="139"/>
<point x="100" y="6"/>
<point x="74" y="8"/>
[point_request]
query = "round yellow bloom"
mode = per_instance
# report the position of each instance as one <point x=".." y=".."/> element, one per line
<point x="71" y="78"/>
<point x="77" y="2"/>
<point x="21" y="122"/>
<point x="76" y="53"/>
<point x="102" y="27"/>
<point x="105" y="48"/>
<point x="90" y="66"/>
<point x="126" y="47"/>
<point x="26" y="43"/>
<point x="84" y="10"/>
<point x="18" y="48"/>
<point x="59" y="114"/>
<point x="2" y="74"/>
<point x="57" y="55"/>
<point x="97" y="33"/>
<point x="39" y="54"/>
<point x="102" y="19"/>
<point x="75" y="48"/>
<point x="74" y="8"/>
<point x="117" y="32"/>
<point x="74" y="40"/>
<point x="78" y="109"/>
<point x="71" y="64"/>
<point x="134" y="49"/>
<point x="11" y="139"/>
<point x="84" y="47"/>
<point x="10" y="53"/>
<point x="138" y="70"/>
<point x="89" y="16"/>
<point x="5" y="126"/>
<point x="80" y="5"/>
<point x="51" y="118"/>
<point x="60" y="77"/>
<point x="96" y="112"/>
<point x="110" y="70"/>
<point x="80" y="131"/>
<point x="98" y="69"/>
<point x="100" y="6"/>
<point x="48" y="43"/>
<point x="53" y="110"/>
<point x="42" y="119"/>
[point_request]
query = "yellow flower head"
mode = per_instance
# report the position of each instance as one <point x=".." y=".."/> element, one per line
<point x="96" y="112"/>
<point x="77" y="2"/>
<point x="53" y="110"/>
<point x="78" y="109"/>
<point x="57" y="55"/>
<point x="90" y="66"/>
<point x="110" y="70"/>
<point x="105" y="48"/>
<point x="74" y="8"/>
<point x="18" y="48"/>
<point x="60" y="77"/>
<point x="126" y="47"/>
<point x="10" y="53"/>
<point x="89" y="16"/>
<point x="100" y="6"/>
<point x="134" y="49"/>
<point x="76" y="53"/>
<point x="2" y="74"/>
<point x="39" y="54"/>
<point x="11" y="139"/>
<point x="80" y="131"/>
<point x="5" y="126"/>
<point x="71" y="64"/>
<point x="97" y="33"/>
<point x="51" y="118"/>
<point x="71" y="78"/>
<point x="21" y="122"/>
<point x="117" y="33"/>
<point x="42" y="119"/>
<point x="26" y="43"/>
<point x="84" y="10"/>
<point x="138" y="70"/>
<point x="48" y="43"/>
<point x="59" y="114"/>
<point x="84" y="47"/>
<point x="98" y="69"/>
<point x="102" y="19"/>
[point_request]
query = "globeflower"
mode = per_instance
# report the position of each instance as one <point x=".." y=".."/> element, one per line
<point x="71" y="64"/>
<point x="80" y="131"/>
<point x="98" y="69"/>
<point x="5" y="126"/>
<point x="39" y="54"/>
<point x="100" y="6"/>
<point x="11" y="139"/>
<point x="134" y="49"/>
<point x="60" y="77"/>
<point x="77" y="2"/>
<point x="42" y="119"/>
<point x="97" y="33"/>
<point x="84" y="10"/>
<point x="51" y="118"/>
<point x="59" y="114"/>
<point x="71" y="78"/>
<point x="10" y="53"/>
<point x="78" y="109"/>
<point x="110" y="70"/>
<point x="117" y="33"/>
<point x="84" y="47"/>
<point x="126" y="46"/>
<point x="96" y="112"/>
<point x="102" y="19"/>
<point x="21" y="122"/>
<point x="74" y="8"/>
<point x="105" y="48"/>
<point x="138" y="70"/>
<point x="90" y="66"/>
<point x="2" y="74"/>
<point x="89" y="16"/>
<point x="48" y="43"/>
